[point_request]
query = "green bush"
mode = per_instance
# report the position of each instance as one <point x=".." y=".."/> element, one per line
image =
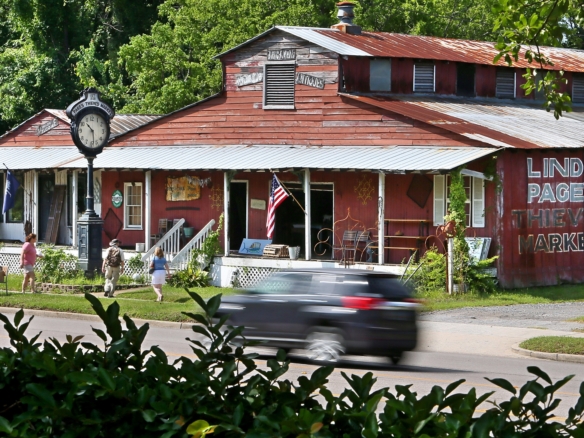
<point x="190" y="277"/>
<point x="123" y="389"/>
<point x="56" y="265"/>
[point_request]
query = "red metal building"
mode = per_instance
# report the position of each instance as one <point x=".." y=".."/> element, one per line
<point x="373" y="123"/>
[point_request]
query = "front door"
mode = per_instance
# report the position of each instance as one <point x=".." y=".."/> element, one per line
<point x="46" y="189"/>
<point x="237" y="214"/>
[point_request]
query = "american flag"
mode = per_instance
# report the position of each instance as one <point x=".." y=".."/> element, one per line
<point x="277" y="196"/>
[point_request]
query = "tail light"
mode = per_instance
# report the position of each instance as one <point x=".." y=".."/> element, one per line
<point x="361" y="303"/>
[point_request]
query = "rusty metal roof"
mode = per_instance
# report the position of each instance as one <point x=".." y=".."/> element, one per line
<point x="394" y="45"/>
<point x="500" y="123"/>
<point x="395" y="159"/>
<point x="120" y="124"/>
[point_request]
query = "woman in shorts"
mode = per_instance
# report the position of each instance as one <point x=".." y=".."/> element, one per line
<point x="161" y="269"/>
<point x="28" y="257"/>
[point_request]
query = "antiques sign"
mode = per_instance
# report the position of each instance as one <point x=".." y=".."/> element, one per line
<point x="282" y="55"/>
<point x="184" y="188"/>
<point x="311" y="81"/>
<point x="545" y="185"/>
<point x="46" y="127"/>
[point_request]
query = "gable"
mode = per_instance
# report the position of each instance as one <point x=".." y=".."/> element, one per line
<point x="43" y="129"/>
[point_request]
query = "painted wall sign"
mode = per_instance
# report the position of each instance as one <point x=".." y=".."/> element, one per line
<point x="258" y="204"/>
<point x="252" y="78"/>
<point x="282" y="55"/>
<point x="46" y="127"/>
<point x="117" y="199"/>
<point x="311" y="81"/>
<point x="557" y="193"/>
<point x="184" y="188"/>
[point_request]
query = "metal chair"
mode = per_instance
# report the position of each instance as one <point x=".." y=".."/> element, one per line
<point x="349" y="246"/>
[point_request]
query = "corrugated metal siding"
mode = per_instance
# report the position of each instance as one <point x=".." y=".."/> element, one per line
<point x="390" y="159"/>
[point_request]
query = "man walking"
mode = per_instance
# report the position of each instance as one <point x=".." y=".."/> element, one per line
<point x="113" y="266"/>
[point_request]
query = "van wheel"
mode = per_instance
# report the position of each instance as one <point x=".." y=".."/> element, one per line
<point x="324" y="345"/>
<point x="395" y="358"/>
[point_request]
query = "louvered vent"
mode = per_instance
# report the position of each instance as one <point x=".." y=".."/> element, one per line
<point x="279" y="86"/>
<point x="505" y="83"/>
<point x="578" y="89"/>
<point x="424" y="77"/>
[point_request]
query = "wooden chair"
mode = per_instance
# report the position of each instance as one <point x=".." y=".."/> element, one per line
<point x="162" y="229"/>
<point x="4" y="277"/>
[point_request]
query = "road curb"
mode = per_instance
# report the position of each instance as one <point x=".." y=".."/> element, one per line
<point x="95" y="318"/>
<point x="575" y="358"/>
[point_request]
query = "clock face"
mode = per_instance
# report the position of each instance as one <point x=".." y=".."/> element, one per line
<point x="92" y="131"/>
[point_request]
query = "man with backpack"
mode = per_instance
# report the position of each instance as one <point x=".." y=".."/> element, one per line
<point x="113" y="266"/>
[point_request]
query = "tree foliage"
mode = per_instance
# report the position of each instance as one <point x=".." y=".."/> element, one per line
<point x="557" y="23"/>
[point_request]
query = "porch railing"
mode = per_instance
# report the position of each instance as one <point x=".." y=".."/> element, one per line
<point x="169" y="243"/>
<point x="181" y="260"/>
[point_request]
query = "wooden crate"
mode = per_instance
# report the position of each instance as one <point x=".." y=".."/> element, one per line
<point x="276" y="251"/>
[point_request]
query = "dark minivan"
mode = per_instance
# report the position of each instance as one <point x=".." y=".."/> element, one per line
<point x="328" y="312"/>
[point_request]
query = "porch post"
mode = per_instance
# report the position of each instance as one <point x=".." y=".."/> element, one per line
<point x="35" y="202"/>
<point x="226" y="212"/>
<point x="74" y="207"/>
<point x="380" y="219"/>
<point x="147" y="209"/>
<point x="307" y="221"/>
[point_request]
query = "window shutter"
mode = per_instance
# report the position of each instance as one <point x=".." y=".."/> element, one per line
<point x="439" y="200"/>
<point x="279" y="86"/>
<point x="578" y="89"/>
<point x="505" y="83"/>
<point x="424" y="77"/>
<point x="380" y="75"/>
<point x="478" y="203"/>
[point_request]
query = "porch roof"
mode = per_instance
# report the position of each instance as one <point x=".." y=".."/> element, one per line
<point x="394" y="159"/>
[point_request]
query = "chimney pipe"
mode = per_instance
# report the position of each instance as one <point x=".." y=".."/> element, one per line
<point x="345" y="15"/>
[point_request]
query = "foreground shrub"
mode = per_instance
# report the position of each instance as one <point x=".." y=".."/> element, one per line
<point x="123" y="390"/>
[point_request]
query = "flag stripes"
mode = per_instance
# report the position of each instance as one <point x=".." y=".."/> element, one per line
<point x="277" y="196"/>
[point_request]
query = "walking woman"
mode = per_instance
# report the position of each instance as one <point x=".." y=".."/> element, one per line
<point x="160" y="265"/>
<point x="28" y="257"/>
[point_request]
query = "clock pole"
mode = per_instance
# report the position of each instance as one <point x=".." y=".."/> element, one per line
<point x="89" y="225"/>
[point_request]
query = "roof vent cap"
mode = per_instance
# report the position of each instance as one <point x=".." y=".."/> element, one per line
<point x="345" y="15"/>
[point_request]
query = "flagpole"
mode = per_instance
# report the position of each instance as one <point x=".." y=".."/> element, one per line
<point x="289" y="193"/>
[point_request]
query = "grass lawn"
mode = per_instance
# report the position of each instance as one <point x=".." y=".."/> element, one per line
<point x="136" y="304"/>
<point x="555" y="344"/>
<point x="535" y="295"/>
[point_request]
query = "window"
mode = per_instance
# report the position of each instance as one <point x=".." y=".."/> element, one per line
<point x="505" y="83"/>
<point x="16" y="213"/>
<point x="475" y="200"/>
<point x="578" y="88"/>
<point x="279" y="85"/>
<point x="424" y="73"/>
<point x="380" y="75"/>
<point x="133" y="205"/>
<point x="465" y="79"/>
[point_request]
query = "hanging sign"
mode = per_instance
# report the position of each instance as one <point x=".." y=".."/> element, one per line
<point x="117" y="199"/>
<point x="184" y="188"/>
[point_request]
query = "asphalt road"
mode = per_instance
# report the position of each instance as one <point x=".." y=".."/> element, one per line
<point x="447" y="351"/>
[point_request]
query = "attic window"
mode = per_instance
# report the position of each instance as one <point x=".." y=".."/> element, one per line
<point x="279" y="81"/>
<point x="578" y="88"/>
<point x="465" y="79"/>
<point x="424" y="73"/>
<point x="380" y="75"/>
<point x="505" y="83"/>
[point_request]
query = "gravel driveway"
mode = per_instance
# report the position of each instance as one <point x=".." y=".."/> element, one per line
<point x="543" y="316"/>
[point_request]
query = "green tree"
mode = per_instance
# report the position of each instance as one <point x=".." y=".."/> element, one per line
<point x="529" y="25"/>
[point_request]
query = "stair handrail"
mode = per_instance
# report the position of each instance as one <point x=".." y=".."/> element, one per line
<point x="180" y="261"/>
<point x="169" y="243"/>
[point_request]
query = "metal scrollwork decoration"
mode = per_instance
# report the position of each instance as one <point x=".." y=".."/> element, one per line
<point x="364" y="189"/>
<point x="333" y="237"/>
<point x="216" y="197"/>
